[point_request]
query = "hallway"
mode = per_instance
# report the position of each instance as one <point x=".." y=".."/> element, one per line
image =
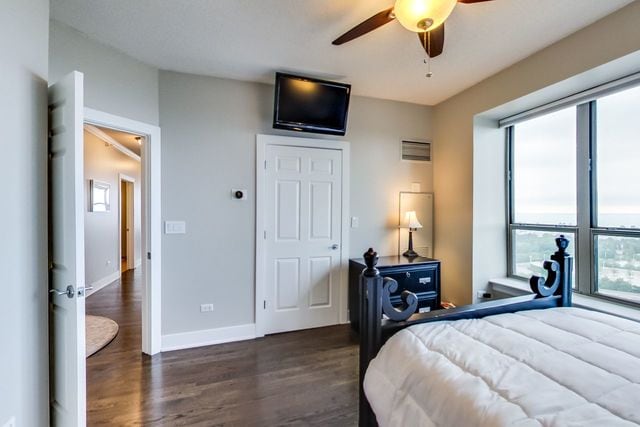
<point x="299" y="378"/>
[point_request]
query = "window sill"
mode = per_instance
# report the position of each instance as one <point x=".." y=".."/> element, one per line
<point x="514" y="287"/>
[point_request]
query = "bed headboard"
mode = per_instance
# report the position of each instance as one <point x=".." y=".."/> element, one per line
<point x="375" y="291"/>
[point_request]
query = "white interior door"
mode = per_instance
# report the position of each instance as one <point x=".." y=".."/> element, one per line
<point x="303" y="223"/>
<point x="66" y="277"/>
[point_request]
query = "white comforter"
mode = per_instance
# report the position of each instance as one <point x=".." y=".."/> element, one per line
<point x="555" y="367"/>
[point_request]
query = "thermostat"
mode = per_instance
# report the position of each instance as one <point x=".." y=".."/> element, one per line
<point x="239" y="194"/>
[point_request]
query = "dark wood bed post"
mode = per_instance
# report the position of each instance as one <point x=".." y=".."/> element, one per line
<point x="370" y="332"/>
<point x="375" y="292"/>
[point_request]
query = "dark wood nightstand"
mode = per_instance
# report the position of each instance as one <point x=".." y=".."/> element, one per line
<point x="419" y="275"/>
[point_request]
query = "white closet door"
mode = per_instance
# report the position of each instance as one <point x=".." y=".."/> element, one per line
<point x="303" y="237"/>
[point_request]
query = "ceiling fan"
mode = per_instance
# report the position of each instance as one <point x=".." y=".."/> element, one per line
<point x="424" y="17"/>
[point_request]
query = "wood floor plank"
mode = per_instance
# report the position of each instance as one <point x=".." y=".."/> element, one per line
<point x="298" y="378"/>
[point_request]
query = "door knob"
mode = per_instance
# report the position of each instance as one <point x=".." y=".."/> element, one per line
<point x="69" y="292"/>
<point x="334" y="246"/>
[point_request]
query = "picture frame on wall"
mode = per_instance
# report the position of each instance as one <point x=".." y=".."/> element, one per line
<point x="99" y="196"/>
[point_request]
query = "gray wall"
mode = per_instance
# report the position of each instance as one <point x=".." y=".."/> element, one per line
<point x="209" y="127"/>
<point x="24" y="388"/>
<point x="101" y="232"/>
<point x="113" y="82"/>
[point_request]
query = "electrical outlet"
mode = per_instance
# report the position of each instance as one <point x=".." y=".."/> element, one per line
<point x="175" y="227"/>
<point x="205" y="308"/>
<point x="484" y="295"/>
<point x="10" y="423"/>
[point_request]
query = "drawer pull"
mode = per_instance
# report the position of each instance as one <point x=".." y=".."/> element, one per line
<point x="424" y="280"/>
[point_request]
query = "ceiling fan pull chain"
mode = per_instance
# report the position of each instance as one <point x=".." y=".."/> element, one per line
<point x="427" y="42"/>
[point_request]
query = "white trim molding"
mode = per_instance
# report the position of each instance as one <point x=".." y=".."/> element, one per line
<point x="262" y="141"/>
<point x="205" y="337"/>
<point x="151" y="250"/>
<point x="102" y="283"/>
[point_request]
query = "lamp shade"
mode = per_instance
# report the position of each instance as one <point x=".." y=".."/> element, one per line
<point x="411" y="220"/>
<point x="423" y="15"/>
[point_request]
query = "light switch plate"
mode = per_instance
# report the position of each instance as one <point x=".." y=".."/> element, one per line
<point x="355" y="222"/>
<point x="175" y="227"/>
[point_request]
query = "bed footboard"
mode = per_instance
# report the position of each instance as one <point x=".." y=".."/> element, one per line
<point x="552" y="291"/>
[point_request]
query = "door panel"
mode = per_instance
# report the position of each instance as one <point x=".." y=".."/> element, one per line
<point x="320" y="281"/>
<point x="288" y="210"/>
<point x="303" y="237"/>
<point x="287" y="283"/>
<point x="66" y="226"/>
<point x="321" y="210"/>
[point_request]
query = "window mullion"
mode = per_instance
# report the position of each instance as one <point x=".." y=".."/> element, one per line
<point x="583" y="249"/>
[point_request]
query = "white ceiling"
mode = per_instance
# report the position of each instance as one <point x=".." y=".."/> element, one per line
<point x="250" y="39"/>
<point x="128" y="140"/>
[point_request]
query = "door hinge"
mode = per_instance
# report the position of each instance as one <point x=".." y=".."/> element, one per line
<point x="265" y="234"/>
<point x="265" y="164"/>
<point x="265" y="304"/>
<point x="149" y="255"/>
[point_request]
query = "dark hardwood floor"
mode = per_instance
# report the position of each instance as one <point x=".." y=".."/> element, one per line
<point x="299" y="378"/>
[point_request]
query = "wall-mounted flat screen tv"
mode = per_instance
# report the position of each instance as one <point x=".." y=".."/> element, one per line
<point x="310" y="105"/>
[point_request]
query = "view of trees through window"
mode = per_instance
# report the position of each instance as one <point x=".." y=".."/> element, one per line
<point x="531" y="248"/>
<point x="618" y="266"/>
<point x="545" y="151"/>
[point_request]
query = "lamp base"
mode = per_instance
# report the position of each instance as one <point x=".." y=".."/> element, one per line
<point x="410" y="253"/>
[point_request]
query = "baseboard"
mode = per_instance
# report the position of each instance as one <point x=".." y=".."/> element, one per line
<point x="207" y="337"/>
<point x="105" y="281"/>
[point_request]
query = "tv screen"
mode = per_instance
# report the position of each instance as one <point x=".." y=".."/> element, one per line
<point x="310" y="105"/>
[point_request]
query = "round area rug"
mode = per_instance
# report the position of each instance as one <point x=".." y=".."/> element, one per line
<point x="100" y="332"/>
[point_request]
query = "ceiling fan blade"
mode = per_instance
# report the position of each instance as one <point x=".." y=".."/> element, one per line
<point x="376" y="21"/>
<point x="434" y="43"/>
<point x="471" y="1"/>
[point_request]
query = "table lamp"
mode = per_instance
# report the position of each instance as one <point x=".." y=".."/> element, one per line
<point x="411" y="222"/>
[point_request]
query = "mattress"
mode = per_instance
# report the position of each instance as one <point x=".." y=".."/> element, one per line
<point x="554" y="367"/>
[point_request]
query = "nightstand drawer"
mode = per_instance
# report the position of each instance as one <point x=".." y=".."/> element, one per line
<point x="416" y="281"/>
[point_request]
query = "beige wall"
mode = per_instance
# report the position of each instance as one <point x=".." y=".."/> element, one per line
<point x="102" y="251"/>
<point x="554" y="68"/>
<point x="209" y="128"/>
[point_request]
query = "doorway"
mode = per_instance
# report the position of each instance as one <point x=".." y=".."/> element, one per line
<point x="69" y="201"/>
<point x="302" y="236"/>
<point x="149" y="243"/>
<point x="127" y="224"/>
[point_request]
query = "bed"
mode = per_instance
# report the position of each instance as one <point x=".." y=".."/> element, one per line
<point x="526" y="361"/>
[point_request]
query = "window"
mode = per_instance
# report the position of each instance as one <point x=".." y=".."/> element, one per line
<point x="575" y="172"/>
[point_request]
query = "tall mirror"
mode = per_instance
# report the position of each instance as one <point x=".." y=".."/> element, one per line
<point x="416" y="216"/>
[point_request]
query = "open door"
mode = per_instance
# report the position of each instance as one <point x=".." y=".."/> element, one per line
<point x="66" y="267"/>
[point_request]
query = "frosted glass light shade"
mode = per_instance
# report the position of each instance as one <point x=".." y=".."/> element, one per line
<point x="423" y="15"/>
<point x="411" y="220"/>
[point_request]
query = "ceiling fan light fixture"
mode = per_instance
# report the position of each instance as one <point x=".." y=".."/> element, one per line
<point x="423" y="15"/>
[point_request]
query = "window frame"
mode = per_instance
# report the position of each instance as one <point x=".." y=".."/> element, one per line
<point x="586" y="230"/>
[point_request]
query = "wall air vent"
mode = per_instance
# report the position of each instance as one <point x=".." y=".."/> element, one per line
<point x="419" y="151"/>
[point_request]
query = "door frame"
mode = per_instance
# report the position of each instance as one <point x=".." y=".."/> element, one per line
<point x="151" y="242"/>
<point x="131" y="249"/>
<point x="262" y="142"/>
